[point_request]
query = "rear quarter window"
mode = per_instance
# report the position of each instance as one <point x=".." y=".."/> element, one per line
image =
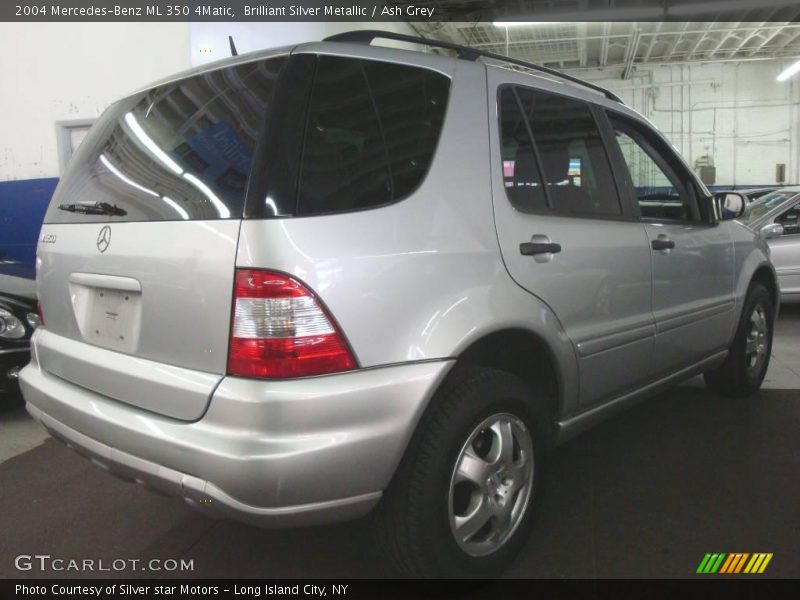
<point x="371" y="133"/>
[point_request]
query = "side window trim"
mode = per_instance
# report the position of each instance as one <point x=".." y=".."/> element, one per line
<point x="537" y="156"/>
<point x="619" y="169"/>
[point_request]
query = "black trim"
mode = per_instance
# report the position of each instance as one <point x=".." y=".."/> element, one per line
<point x="463" y="52"/>
<point x="275" y="169"/>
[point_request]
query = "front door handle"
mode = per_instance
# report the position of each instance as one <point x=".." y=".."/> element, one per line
<point x="534" y="248"/>
<point x="662" y="244"/>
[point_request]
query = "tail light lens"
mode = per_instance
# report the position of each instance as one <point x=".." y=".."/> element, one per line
<point x="281" y="329"/>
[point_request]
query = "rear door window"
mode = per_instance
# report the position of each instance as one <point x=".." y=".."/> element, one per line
<point x="179" y="151"/>
<point x="371" y="133"/>
<point x="572" y="156"/>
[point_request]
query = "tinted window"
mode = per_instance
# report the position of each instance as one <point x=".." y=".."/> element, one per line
<point x="574" y="162"/>
<point x="657" y="188"/>
<point x="179" y="151"/>
<point x="521" y="176"/>
<point x="371" y="134"/>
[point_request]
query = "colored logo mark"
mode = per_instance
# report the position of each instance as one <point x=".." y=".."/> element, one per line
<point x="737" y="562"/>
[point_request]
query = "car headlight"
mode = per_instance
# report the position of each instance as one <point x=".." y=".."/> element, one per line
<point x="11" y="328"/>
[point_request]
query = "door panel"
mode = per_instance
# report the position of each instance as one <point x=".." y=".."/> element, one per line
<point x="693" y="298"/>
<point x="692" y="262"/>
<point x="598" y="282"/>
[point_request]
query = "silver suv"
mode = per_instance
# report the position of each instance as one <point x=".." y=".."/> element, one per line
<point x="306" y="284"/>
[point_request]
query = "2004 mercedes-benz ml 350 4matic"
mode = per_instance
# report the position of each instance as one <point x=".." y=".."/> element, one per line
<point x="298" y="285"/>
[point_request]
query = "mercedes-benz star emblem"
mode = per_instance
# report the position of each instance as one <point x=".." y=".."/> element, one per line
<point x="104" y="238"/>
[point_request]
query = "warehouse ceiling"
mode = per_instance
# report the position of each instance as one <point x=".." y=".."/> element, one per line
<point x="705" y="32"/>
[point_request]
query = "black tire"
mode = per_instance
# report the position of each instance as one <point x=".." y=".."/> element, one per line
<point x="737" y="377"/>
<point x="412" y="524"/>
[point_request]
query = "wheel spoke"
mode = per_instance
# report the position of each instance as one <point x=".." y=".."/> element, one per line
<point x="519" y="474"/>
<point x="472" y="468"/>
<point x="503" y="447"/>
<point x="751" y="346"/>
<point x="468" y="525"/>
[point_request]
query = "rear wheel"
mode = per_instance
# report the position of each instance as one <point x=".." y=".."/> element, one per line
<point x="748" y="358"/>
<point x="462" y="501"/>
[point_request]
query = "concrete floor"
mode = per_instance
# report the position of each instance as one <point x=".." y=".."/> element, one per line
<point x="644" y="495"/>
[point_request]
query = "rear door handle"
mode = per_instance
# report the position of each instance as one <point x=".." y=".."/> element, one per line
<point x="534" y="248"/>
<point x="662" y="244"/>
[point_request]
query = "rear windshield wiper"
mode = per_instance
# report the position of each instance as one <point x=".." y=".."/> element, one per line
<point x="98" y="208"/>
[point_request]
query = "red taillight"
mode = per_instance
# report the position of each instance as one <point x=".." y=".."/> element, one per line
<point x="280" y="329"/>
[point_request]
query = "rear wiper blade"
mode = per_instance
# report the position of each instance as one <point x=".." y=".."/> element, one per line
<point x="98" y="208"/>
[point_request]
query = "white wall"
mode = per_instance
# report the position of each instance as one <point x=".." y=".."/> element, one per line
<point x="69" y="71"/>
<point x="736" y="112"/>
<point x="65" y="71"/>
<point x="210" y="40"/>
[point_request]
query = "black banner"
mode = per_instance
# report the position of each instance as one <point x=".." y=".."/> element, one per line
<point x="199" y="589"/>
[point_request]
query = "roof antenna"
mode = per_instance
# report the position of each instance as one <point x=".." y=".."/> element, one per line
<point x="233" y="46"/>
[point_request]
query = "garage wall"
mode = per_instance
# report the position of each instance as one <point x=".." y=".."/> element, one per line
<point x="734" y="112"/>
<point x="55" y="72"/>
<point x="52" y="72"/>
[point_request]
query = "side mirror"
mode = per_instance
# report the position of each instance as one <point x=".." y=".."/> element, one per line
<point x="729" y="205"/>
<point x="771" y="231"/>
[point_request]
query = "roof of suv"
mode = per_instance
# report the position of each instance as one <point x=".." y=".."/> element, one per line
<point x="358" y="40"/>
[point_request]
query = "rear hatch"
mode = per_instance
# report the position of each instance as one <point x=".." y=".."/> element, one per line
<point x="139" y="244"/>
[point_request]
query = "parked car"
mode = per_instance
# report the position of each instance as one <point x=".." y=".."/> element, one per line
<point x="776" y="217"/>
<point x="345" y="279"/>
<point x="18" y="320"/>
<point x="757" y="193"/>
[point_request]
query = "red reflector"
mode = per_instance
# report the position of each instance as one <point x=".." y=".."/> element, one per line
<point x="41" y="314"/>
<point x="281" y="329"/>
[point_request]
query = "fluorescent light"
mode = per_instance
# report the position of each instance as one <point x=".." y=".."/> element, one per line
<point x="178" y="208"/>
<point x="521" y="23"/>
<point x="789" y="71"/>
<point x="124" y="178"/>
<point x="150" y="144"/>
<point x="218" y="204"/>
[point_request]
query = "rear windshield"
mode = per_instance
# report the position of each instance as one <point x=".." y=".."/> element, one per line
<point x="300" y="136"/>
<point x="179" y="151"/>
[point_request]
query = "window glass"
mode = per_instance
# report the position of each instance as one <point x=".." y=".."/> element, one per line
<point x="767" y="203"/>
<point x="576" y="168"/>
<point x="790" y="222"/>
<point x="656" y="189"/>
<point x="521" y="176"/>
<point x="372" y="131"/>
<point x="179" y="151"/>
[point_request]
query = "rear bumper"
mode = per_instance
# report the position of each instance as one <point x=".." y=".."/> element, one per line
<point x="271" y="453"/>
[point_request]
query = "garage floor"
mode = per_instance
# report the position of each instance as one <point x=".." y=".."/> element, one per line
<point x="644" y="495"/>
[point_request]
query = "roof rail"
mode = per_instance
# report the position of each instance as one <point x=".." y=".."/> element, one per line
<point x="464" y="52"/>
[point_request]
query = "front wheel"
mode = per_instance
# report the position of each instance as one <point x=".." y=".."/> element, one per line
<point x="462" y="501"/>
<point x="746" y="365"/>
